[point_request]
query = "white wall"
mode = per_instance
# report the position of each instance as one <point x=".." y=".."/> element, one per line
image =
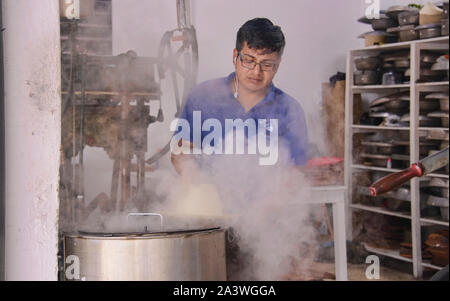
<point x="318" y="32"/>
<point x="32" y="109"/>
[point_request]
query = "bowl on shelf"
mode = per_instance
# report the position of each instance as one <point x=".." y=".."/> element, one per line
<point x="383" y="23"/>
<point x="378" y="38"/>
<point x="367" y="77"/>
<point x="368" y="63"/>
<point x="395" y="10"/>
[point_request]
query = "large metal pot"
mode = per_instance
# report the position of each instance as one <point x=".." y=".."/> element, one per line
<point x="194" y="255"/>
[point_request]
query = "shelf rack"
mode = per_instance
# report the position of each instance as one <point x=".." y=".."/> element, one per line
<point x="415" y="132"/>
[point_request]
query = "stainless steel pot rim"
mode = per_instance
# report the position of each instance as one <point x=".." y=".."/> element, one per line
<point x="140" y="235"/>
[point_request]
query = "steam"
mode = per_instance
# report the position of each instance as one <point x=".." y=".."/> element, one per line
<point x="269" y="208"/>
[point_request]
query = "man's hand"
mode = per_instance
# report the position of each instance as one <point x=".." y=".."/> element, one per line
<point x="182" y="163"/>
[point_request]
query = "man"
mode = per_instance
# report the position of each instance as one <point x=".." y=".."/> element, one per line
<point x="246" y="97"/>
<point x="247" y="94"/>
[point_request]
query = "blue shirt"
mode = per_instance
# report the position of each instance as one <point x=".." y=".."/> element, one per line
<point x="214" y="99"/>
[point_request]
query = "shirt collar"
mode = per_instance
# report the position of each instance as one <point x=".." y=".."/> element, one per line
<point x="270" y="95"/>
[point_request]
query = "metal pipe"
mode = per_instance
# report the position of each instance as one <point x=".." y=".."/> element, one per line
<point x="80" y="190"/>
<point x="115" y="184"/>
<point x="2" y="155"/>
<point x="184" y="13"/>
<point x="124" y="152"/>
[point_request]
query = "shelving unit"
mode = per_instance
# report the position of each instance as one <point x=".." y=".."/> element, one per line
<point x="351" y="167"/>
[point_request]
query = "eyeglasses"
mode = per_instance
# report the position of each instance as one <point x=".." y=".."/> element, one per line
<point x="251" y="64"/>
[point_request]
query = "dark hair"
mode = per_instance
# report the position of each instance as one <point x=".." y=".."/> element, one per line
<point x="260" y="33"/>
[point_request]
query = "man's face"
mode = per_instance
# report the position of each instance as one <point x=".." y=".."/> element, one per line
<point x="256" y="79"/>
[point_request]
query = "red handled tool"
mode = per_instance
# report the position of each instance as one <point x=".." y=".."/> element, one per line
<point x="424" y="167"/>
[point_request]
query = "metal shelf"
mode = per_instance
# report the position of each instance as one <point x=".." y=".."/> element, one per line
<point x="389" y="253"/>
<point x="437" y="175"/>
<point x="370" y="88"/>
<point x="434" y="221"/>
<point x="364" y="167"/>
<point x="433" y="86"/>
<point x="401" y="45"/>
<point x="378" y="128"/>
<point x="432" y="266"/>
<point x="433" y="129"/>
<point x="379" y="210"/>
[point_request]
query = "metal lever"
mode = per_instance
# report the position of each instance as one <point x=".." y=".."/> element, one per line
<point x="147" y="214"/>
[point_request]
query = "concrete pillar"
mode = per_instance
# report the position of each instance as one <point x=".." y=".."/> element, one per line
<point x="33" y="135"/>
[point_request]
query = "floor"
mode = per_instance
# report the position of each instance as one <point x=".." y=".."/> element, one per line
<point x="357" y="272"/>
